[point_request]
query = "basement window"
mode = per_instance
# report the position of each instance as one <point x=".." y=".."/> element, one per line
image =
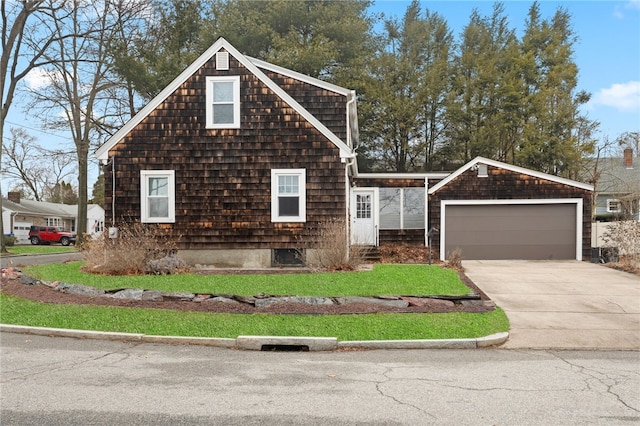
<point x="287" y="257"/>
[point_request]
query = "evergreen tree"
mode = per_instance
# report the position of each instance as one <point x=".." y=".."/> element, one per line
<point x="484" y="104"/>
<point x="550" y="111"/>
<point x="402" y="103"/>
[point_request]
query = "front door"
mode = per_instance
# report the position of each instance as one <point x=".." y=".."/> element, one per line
<point x="363" y="223"/>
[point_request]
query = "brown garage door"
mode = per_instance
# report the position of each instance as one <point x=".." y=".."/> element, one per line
<point x="514" y="231"/>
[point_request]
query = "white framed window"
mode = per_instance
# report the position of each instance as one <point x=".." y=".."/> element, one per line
<point x="54" y="221"/>
<point x="288" y="195"/>
<point x="223" y="102"/>
<point x="613" y="206"/>
<point x="157" y="196"/>
<point x="402" y="208"/>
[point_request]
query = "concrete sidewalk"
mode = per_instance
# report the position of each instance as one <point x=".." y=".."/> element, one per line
<point x="563" y="304"/>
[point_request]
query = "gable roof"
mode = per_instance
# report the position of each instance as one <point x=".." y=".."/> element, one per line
<point x="44" y="208"/>
<point x="516" y="169"/>
<point x="102" y="153"/>
<point x="614" y="176"/>
<point x="40" y="208"/>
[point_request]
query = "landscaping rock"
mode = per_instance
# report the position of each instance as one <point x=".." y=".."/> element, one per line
<point x="373" y="301"/>
<point x="50" y="284"/>
<point x="179" y="296"/>
<point x="27" y="280"/>
<point x="263" y="303"/>
<point x="152" y="295"/>
<point x="83" y="290"/>
<point x="129" y="293"/>
<point x="440" y="305"/>
<point x="167" y="265"/>
<point x="62" y="287"/>
<point x="201" y="297"/>
<point x="220" y="299"/>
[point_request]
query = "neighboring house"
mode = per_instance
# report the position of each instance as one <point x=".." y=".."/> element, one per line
<point x="617" y="192"/>
<point x="19" y="215"/>
<point x="617" y="187"/>
<point x="245" y="161"/>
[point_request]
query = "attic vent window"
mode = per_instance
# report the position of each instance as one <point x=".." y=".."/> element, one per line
<point x="482" y="170"/>
<point x="222" y="61"/>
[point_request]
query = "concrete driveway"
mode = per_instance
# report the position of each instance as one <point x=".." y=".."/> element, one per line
<point x="562" y="304"/>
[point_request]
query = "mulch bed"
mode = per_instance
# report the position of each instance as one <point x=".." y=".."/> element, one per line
<point x="44" y="294"/>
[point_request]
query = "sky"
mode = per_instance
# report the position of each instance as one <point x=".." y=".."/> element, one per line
<point x="607" y="54"/>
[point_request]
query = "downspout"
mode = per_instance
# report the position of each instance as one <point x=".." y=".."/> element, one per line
<point x="349" y="163"/>
<point x="347" y="219"/>
<point x="113" y="191"/>
<point x="426" y="213"/>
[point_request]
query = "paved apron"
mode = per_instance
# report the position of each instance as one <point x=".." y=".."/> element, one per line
<point x="562" y="304"/>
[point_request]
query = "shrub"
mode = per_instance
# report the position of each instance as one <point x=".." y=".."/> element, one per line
<point x="331" y="248"/>
<point x="10" y="240"/>
<point x="454" y="259"/>
<point x="139" y="249"/>
<point x="625" y="235"/>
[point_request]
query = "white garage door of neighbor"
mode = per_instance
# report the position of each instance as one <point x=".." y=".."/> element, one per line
<point x="512" y="231"/>
<point x="21" y="231"/>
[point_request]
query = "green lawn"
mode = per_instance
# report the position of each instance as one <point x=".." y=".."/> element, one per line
<point x="383" y="279"/>
<point x="172" y="323"/>
<point x="43" y="249"/>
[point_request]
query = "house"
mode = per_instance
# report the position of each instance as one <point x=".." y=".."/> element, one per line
<point x="617" y="187"/>
<point x="19" y="215"/>
<point x="246" y="160"/>
<point x="617" y="192"/>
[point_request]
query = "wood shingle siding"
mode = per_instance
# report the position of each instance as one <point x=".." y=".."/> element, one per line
<point x="223" y="181"/>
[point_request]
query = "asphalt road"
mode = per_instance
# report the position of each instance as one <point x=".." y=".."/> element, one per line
<point x="39" y="259"/>
<point x="58" y="381"/>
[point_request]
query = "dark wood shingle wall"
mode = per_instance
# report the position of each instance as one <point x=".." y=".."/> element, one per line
<point x="223" y="189"/>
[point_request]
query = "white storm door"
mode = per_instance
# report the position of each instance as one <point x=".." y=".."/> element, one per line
<point x="363" y="227"/>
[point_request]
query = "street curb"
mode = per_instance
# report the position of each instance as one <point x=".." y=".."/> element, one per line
<point x="256" y="342"/>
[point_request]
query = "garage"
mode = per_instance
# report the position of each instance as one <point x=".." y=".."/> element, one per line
<point x="512" y="229"/>
<point x="21" y="231"/>
<point x="493" y="211"/>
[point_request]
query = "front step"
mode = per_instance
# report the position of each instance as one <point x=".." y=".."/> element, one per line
<point x="366" y="253"/>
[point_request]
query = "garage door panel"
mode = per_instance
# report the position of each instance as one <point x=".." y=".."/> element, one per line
<point x="506" y="251"/>
<point x="531" y="237"/>
<point x="527" y="231"/>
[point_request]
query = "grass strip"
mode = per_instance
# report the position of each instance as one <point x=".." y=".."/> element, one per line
<point x="383" y="279"/>
<point x="44" y="249"/>
<point x="164" y="322"/>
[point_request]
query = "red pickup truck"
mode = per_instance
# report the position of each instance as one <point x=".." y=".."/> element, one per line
<point x="51" y="234"/>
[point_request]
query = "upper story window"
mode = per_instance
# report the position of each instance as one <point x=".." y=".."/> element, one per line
<point x="157" y="196"/>
<point x="223" y="102"/>
<point x="288" y="195"/>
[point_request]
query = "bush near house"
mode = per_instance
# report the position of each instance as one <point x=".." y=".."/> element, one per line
<point x="138" y="249"/>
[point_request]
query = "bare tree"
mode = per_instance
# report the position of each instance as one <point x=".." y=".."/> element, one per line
<point x="18" y="57"/>
<point x="34" y="168"/>
<point x="82" y="93"/>
<point x="630" y="140"/>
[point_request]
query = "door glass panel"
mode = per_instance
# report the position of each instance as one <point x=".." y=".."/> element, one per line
<point x="363" y="206"/>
